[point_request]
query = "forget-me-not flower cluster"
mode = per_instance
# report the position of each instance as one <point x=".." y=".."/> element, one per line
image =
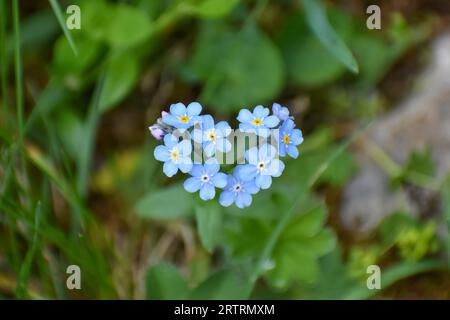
<point x="184" y="126"/>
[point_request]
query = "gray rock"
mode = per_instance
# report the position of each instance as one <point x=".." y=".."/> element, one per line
<point x="421" y="121"/>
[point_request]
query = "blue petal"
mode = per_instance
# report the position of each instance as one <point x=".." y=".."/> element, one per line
<point x="197" y="170"/>
<point x="185" y="164"/>
<point x="170" y="140"/>
<point x="223" y="145"/>
<point x="261" y="112"/>
<point x="178" y="109"/>
<point x="212" y="167"/>
<point x="275" y="168"/>
<point x="271" y="121"/>
<point x="292" y="151"/>
<point x="246" y="127"/>
<point x="243" y="200"/>
<point x="185" y="147"/>
<point x="251" y="187"/>
<point x="262" y="131"/>
<point x="161" y="153"/>
<point x="192" y="184"/>
<point x="263" y="181"/>
<point x="247" y="172"/>
<point x="227" y="198"/>
<point x="207" y="122"/>
<point x="287" y="126"/>
<point x="282" y="149"/>
<point x="171" y="120"/>
<point x="296" y="137"/>
<point x="170" y="168"/>
<point x="207" y="191"/>
<point x="219" y="180"/>
<point x="197" y="135"/>
<point x="194" y="109"/>
<point x="266" y="152"/>
<point x="276" y="108"/>
<point x="209" y="148"/>
<point x="224" y="128"/>
<point x="245" y="116"/>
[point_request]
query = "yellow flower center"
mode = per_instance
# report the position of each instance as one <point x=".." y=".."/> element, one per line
<point x="174" y="155"/>
<point x="212" y="136"/>
<point x="257" y="122"/>
<point x="184" y="119"/>
<point x="286" y="139"/>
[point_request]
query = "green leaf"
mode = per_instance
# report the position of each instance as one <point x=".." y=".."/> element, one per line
<point x="223" y="285"/>
<point x="165" y="282"/>
<point x="209" y="224"/>
<point x="308" y="64"/>
<point x="121" y="75"/>
<point x="71" y="131"/>
<point x="251" y="69"/>
<point x="169" y="203"/>
<point x="319" y="24"/>
<point x="127" y="26"/>
<point x="212" y="8"/>
<point x="62" y="22"/>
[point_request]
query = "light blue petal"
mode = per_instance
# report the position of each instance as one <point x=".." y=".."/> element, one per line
<point x="245" y="116"/>
<point x="161" y="153"/>
<point x="276" y="108"/>
<point x="207" y="122"/>
<point x="284" y="113"/>
<point x="197" y="170"/>
<point x="263" y="181"/>
<point x="271" y="121"/>
<point x="282" y="149"/>
<point x="170" y="168"/>
<point x="263" y="131"/>
<point x="247" y="172"/>
<point x="275" y="168"/>
<point x="194" y="109"/>
<point x="185" y="147"/>
<point x="243" y="200"/>
<point x="210" y="148"/>
<point x="227" y="198"/>
<point x="192" y="184"/>
<point x="219" y="180"/>
<point x="197" y="135"/>
<point x="185" y="164"/>
<point x="246" y="127"/>
<point x="212" y="167"/>
<point x="178" y="109"/>
<point x="292" y="151"/>
<point x="223" y="145"/>
<point x="207" y="191"/>
<point x="251" y="187"/>
<point x="224" y="128"/>
<point x="251" y="155"/>
<point x="296" y="137"/>
<point x="171" y="120"/>
<point x="260" y="112"/>
<point x="287" y="126"/>
<point x="170" y="140"/>
<point x="266" y="152"/>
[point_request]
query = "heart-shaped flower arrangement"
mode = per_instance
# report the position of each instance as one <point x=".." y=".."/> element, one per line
<point x="196" y="145"/>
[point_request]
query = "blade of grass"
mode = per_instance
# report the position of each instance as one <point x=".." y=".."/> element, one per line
<point x="4" y="64"/>
<point x="59" y="15"/>
<point x="283" y="222"/>
<point x="26" y="266"/>
<point x="18" y="70"/>
<point x="84" y="161"/>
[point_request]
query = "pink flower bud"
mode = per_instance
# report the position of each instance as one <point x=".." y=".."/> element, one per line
<point x="163" y="113"/>
<point x="156" y="132"/>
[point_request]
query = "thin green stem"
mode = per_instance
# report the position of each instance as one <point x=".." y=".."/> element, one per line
<point x="4" y="63"/>
<point x="18" y="70"/>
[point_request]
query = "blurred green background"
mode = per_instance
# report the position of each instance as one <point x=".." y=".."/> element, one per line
<point x="79" y="185"/>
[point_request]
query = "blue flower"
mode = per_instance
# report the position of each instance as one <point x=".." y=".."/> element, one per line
<point x="181" y="117"/>
<point x="258" y="122"/>
<point x="175" y="155"/>
<point x="213" y="137"/>
<point x="238" y="191"/>
<point x="262" y="166"/>
<point x="281" y="112"/>
<point x="206" y="178"/>
<point x="289" y="138"/>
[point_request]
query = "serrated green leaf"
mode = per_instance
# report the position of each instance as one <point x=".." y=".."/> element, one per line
<point x="165" y="282"/>
<point x="319" y="24"/>
<point x="160" y="204"/>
